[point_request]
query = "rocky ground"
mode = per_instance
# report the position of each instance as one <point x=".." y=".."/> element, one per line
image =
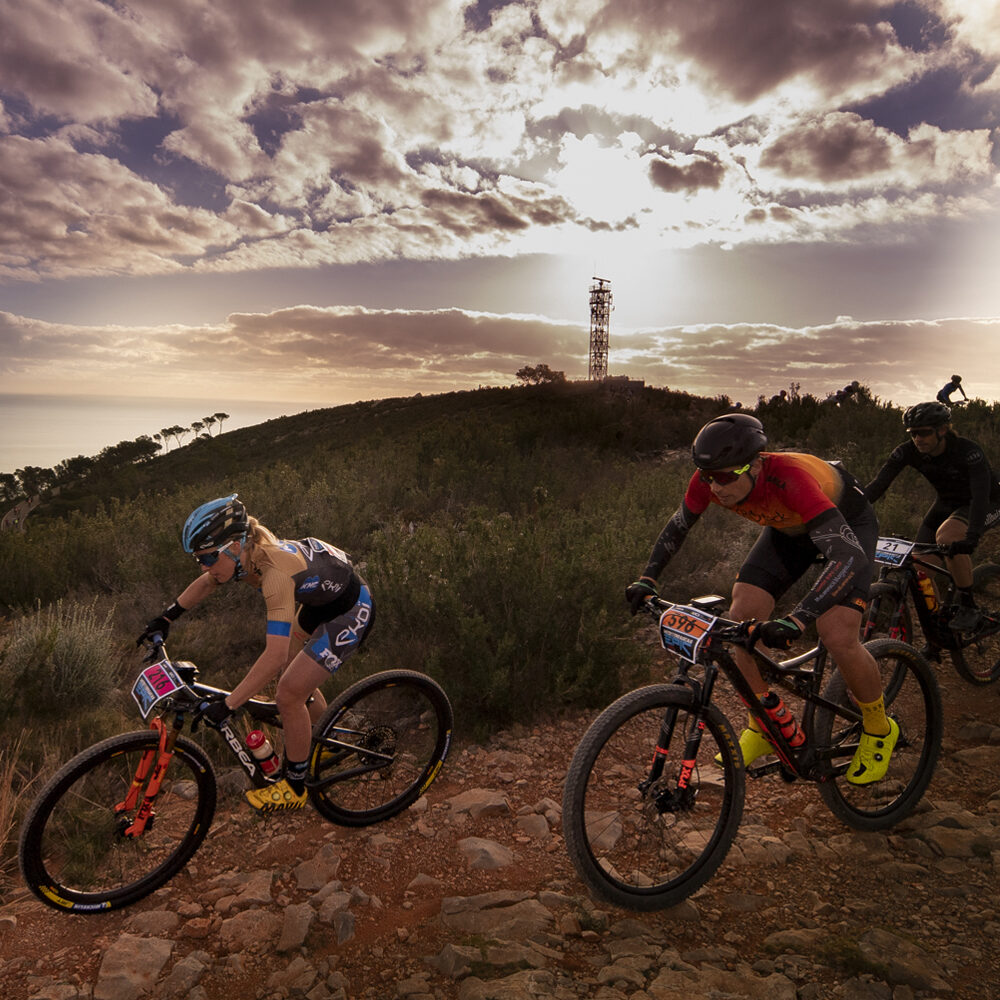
<point x="470" y="895"/>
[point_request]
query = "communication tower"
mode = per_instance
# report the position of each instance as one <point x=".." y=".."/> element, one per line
<point x="600" y="322"/>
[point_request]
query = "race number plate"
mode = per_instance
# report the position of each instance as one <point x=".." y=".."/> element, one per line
<point x="683" y="629"/>
<point x="892" y="551"/>
<point x="155" y="683"/>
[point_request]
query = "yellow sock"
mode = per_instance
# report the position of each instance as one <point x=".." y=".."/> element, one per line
<point x="873" y="717"/>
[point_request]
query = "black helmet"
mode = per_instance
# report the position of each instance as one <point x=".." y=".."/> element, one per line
<point x="730" y="440"/>
<point x="214" y="523"/>
<point x="931" y="414"/>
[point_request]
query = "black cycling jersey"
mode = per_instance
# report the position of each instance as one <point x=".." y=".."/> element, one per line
<point x="961" y="475"/>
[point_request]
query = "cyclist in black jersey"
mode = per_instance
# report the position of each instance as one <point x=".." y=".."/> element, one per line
<point x="319" y="611"/>
<point x="968" y="494"/>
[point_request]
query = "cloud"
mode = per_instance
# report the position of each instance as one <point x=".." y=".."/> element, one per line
<point x="154" y="138"/>
<point x="698" y="172"/>
<point x="346" y="353"/>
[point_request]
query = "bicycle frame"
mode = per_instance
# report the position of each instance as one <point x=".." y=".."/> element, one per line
<point x="802" y="676"/>
<point x="904" y="576"/>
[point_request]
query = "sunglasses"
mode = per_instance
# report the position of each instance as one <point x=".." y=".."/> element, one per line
<point x="920" y="432"/>
<point x="211" y="558"/>
<point x="721" y="477"/>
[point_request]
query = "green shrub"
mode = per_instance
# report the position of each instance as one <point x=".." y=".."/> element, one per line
<point x="56" y="661"/>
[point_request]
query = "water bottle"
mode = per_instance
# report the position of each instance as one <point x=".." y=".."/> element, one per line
<point x="927" y="588"/>
<point x="260" y="747"/>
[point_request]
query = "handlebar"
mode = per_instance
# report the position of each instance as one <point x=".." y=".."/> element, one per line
<point x="724" y="629"/>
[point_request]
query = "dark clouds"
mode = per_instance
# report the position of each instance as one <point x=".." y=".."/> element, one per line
<point x="146" y="141"/>
<point x="341" y="354"/>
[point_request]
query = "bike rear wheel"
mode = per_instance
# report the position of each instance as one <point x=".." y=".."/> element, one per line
<point x="978" y="661"/>
<point x="913" y="700"/>
<point x="650" y="848"/>
<point x="73" y="851"/>
<point x="378" y="747"/>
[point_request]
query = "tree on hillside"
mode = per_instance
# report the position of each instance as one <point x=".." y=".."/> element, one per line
<point x="539" y="374"/>
<point x="10" y="488"/>
<point x="70" y="469"/>
<point x="208" y="423"/>
<point x="175" y="432"/>
<point x="164" y="435"/>
<point x="198" y="426"/>
<point x="34" y="479"/>
<point x="220" y="417"/>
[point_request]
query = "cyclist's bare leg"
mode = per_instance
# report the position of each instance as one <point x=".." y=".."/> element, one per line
<point x="954" y="530"/>
<point x="750" y="602"/>
<point x="302" y="678"/>
<point x="317" y="703"/>
<point x="840" y="630"/>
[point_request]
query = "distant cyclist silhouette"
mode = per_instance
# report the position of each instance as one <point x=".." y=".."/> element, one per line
<point x="945" y="392"/>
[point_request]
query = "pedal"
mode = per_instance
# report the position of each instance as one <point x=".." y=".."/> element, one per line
<point x="763" y="770"/>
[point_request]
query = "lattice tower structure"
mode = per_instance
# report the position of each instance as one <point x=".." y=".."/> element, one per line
<point x="600" y="325"/>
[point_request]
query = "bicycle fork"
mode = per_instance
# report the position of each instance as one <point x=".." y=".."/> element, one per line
<point x="681" y="794"/>
<point x="163" y="754"/>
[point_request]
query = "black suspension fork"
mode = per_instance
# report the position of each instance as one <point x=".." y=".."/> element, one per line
<point x="692" y="741"/>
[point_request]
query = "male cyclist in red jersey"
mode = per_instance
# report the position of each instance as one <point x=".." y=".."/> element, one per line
<point x="808" y="508"/>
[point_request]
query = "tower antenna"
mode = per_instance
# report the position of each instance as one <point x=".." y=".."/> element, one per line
<point x="600" y="323"/>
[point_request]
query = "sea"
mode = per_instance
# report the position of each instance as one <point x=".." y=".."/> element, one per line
<point x="43" y="430"/>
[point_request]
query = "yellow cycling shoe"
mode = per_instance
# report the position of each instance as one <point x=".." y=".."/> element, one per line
<point x="278" y="797"/>
<point x="753" y="744"/>
<point x="871" y="759"/>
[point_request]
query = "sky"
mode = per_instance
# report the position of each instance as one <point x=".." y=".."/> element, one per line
<point x="326" y="202"/>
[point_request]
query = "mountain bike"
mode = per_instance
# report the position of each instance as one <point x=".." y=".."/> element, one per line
<point x="904" y="587"/>
<point x="655" y="790"/>
<point x="124" y="816"/>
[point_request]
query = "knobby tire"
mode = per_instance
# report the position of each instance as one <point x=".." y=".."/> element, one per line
<point x="978" y="661"/>
<point x="626" y="849"/>
<point x="378" y="747"/>
<point x="912" y="698"/>
<point x="72" y="851"/>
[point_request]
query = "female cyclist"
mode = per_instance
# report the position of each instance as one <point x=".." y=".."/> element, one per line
<point x="319" y="611"/>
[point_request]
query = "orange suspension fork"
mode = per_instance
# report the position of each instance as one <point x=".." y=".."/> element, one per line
<point x="163" y="755"/>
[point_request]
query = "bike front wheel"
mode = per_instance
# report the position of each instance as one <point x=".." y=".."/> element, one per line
<point x="378" y="747"/>
<point x="74" y="851"/>
<point x="912" y="698"/>
<point x="648" y="844"/>
<point x="978" y="660"/>
<point x="888" y="614"/>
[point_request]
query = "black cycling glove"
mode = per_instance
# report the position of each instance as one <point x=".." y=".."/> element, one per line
<point x="638" y="593"/>
<point x="215" y="712"/>
<point x="161" y="623"/>
<point x="964" y="547"/>
<point x="779" y="633"/>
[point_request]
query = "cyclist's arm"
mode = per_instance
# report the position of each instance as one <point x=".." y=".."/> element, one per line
<point x="266" y="667"/>
<point x="980" y="486"/>
<point x="197" y="591"/>
<point x="894" y="465"/>
<point x="670" y="540"/>
<point x="845" y="559"/>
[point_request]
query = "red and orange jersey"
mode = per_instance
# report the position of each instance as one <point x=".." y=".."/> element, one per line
<point x="790" y="491"/>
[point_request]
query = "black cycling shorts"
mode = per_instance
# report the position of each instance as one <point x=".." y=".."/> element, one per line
<point x="777" y="560"/>
<point x="940" y="512"/>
